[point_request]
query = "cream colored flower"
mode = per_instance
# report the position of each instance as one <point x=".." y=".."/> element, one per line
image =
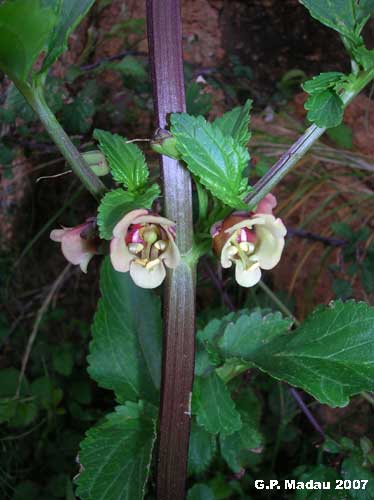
<point x="144" y="244"/>
<point x="251" y="241"/>
<point x="78" y="244"/>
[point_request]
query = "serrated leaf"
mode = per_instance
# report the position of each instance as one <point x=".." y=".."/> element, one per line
<point x="323" y="81"/>
<point x="197" y="101"/>
<point x="200" y="492"/>
<point x="126" y="160"/>
<point x="201" y="450"/>
<point x="330" y="355"/>
<point x="325" y="109"/>
<point x="63" y="359"/>
<point x="131" y="67"/>
<point x="235" y="123"/>
<point x="320" y="473"/>
<point x="236" y="447"/>
<point x="342" y="135"/>
<point x="340" y="15"/>
<point x="71" y="14"/>
<point x="213" y="406"/>
<point x="77" y="116"/>
<point x="352" y="470"/>
<point x="116" y="456"/>
<point x="17" y="104"/>
<point x="217" y="160"/>
<point x="25" y="26"/>
<point x="125" y="351"/>
<point x="364" y="10"/>
<point x="251" y="332"/>
<point x="364" y="57"/>
<point x="118" y="203"/>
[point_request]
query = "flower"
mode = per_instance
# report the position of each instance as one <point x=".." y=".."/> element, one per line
<point x="252" y="241"/>
<point x="143" y="244"/>
<point x="78" y="244"/>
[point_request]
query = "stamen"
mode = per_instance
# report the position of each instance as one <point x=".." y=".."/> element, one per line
<point x="253" y="266"/>
<point x="135" y="247"/>
<point x="246" y="246"/>
<point x="160" y="245"/>
<point x="231" y="251"/>
<point x="152" y="264"/>
<point x="141" y="262"/>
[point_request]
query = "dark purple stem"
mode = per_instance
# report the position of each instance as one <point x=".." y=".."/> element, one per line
<point x="299" y="400"/>
<point x="165" y="50"/>
<point x="219" y="285"/>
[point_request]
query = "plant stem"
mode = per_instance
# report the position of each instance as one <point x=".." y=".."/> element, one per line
<point x="165" y="46"/>
<point x="34" y="96"/>
<point x="307" y="412"/>
<point x="288" y="160"/>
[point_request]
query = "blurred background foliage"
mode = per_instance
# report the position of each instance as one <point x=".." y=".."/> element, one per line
<point x="233" y="51"/>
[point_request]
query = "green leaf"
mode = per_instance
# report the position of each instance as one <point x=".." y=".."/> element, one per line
<point x="201" y="450"/>
<point x="340" y="15"/>
<point x="236" y="447"/>
<point x="47" y="394"/>
<point x="116" y="455"/>
<point x="367" y="273"/>
<point x="9" y="382"/>
<point x="197" y="101"/>
<point x="118" y="203"/>
<point x="364" y="57"/>
<point x="251" y="332"/>
<point x="8" y="408"/>
<point x="63" y="359"/>
<point x="235" y="123"/>
<point x="71" y="14"/>
<point x="26" y="489"/>
<point x="213" y="406"/>
<point x="126" y="160"/>
<point x="17" y="105"/>
<point x="342" y="136"/>
<point x="365" y="9"/>
<point x="25" y="26"/>
<point x="125" y="352"/>
<point x="352" y="469"/>
<point x="320" y="473"/>
<point x="77" y="117"/>
<point x="342" y="289"/>
<point x="131" y="67"/>
<point x="200" y="492"/>
<point x="325" y="109"/>
<point x="329" y="355"/>
<point x="216" y="159"/>
<point x="322" y="82"/>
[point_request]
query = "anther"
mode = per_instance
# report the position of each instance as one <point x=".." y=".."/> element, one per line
<point x="160" y="245"/>
<point x="135" y="247"/>
<point x="152" y="263"/>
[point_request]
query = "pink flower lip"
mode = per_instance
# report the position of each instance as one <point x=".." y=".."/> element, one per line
<point x="79" y="243"/>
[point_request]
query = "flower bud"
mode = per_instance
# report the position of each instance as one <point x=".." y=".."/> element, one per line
<point x="164" y="143"/>
<point x="97" y="162"/>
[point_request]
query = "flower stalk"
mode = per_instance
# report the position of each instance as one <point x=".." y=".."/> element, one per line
<point x="289" y="159"/>
<point x="34" y="96"/>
